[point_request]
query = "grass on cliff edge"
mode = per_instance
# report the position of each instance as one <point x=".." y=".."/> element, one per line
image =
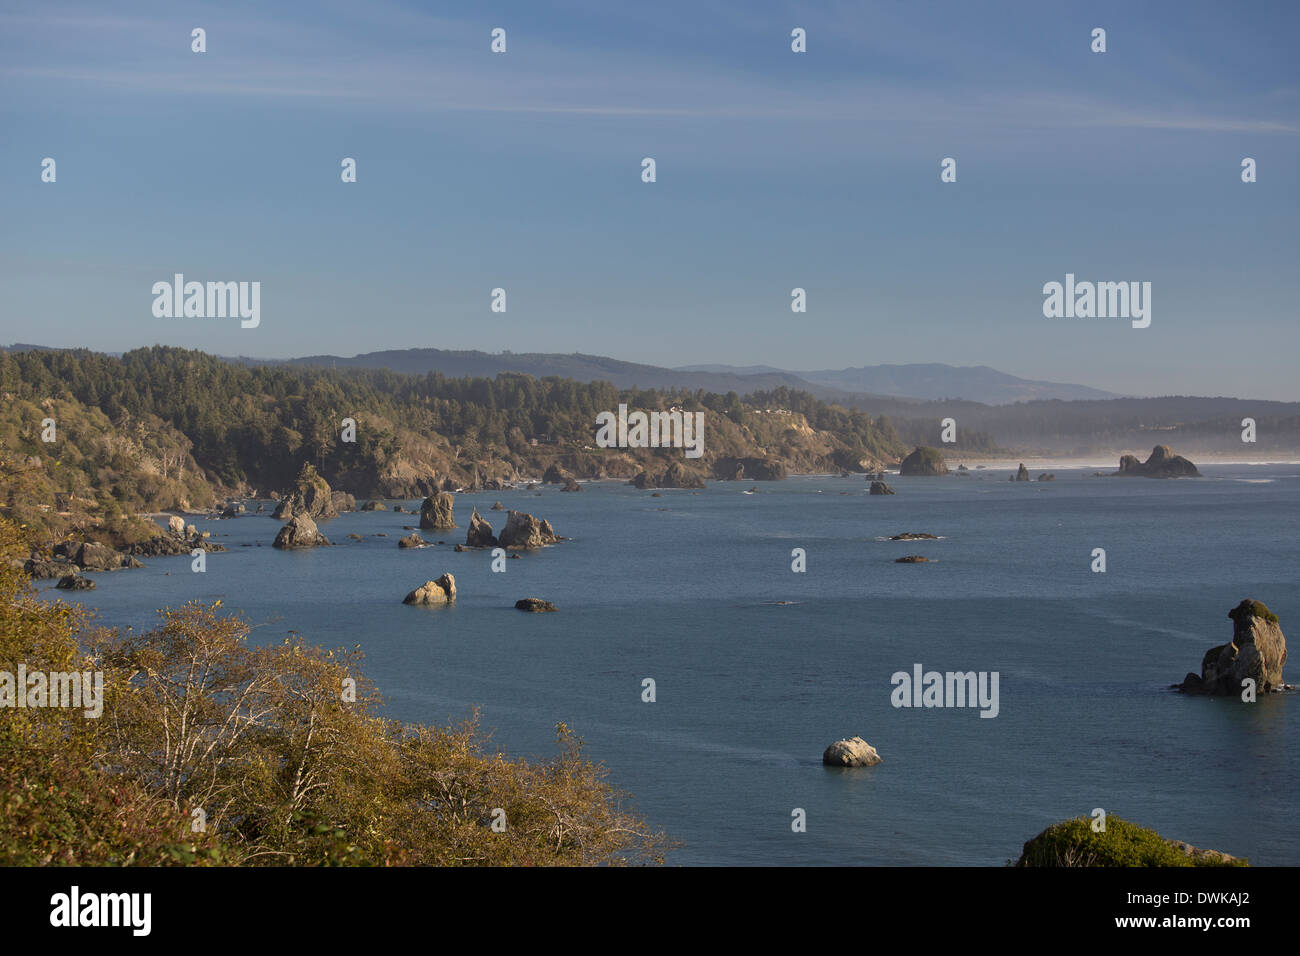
<point x="1255" y="609"/>
<point x="1074" y="843"/>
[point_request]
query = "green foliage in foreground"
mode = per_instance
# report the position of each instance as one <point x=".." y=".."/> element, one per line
<point x="281" y="748"/>
<point x="1074" y="843"/>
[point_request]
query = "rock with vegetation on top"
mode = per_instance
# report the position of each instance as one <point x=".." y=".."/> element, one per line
<point x="1074" y="843"/>
<point x="924" y="461"/>
<point x="311" y="495"/>
<point x="1257" y="651"/>
<point x="441" y="591"/>
<point x="436" y="512"/>
<point x="554" y="475"/>
<point x="851" y="752"/>
<point x="480" y="533"/>
<point x="1163" y="463"/>
<point x="523" y="531"/>
<point x="299" y="532"/>
<point x="534" y="605"/>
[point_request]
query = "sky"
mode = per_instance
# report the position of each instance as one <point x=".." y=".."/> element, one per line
<point x="522" y="170"/>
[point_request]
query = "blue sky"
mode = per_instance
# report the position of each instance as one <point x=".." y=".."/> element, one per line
<point x="775" y="170"/>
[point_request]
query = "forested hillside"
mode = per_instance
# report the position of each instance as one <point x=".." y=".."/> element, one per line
<point x="161" y="428"/>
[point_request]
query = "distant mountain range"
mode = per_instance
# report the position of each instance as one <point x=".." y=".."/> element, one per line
<point x="927" y="382"/>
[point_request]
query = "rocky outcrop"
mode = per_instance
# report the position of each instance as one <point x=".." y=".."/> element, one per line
<point x="923" y="461"/>
<point x="343" y="501"/>
<point x="311" y="495"/>
<point x="1047" y="477"/>
<point x="299" y="532"/>
<point x="523" y="532"/>
<point x="497" y="506"/>
<point x="176" y="524"/>
<point x="1163" y="463"/>
<point x="436" y="512"/>
<point x="571" y="485"/>
<point x="90" y="556"/>
<point x="1257" y="651"/>
<point x="373" y="506"/>
<point x="534" y="605"/>
<point x="851" y="752"/>
<point x="72" y="582"/>
<point x="441" y="591"/>
<point x="480" y="533"/>
<point x="757" y="469"/>
<point x="41" y="568"/>
<point x="412" y="540"/>
<point x="554" y="475"/>
<point x="1023" y="473"/>
<point x="912" y="559"/>
<point x="913" y="536"/>
<point x="880" y="488"/>
<point x="675" y="475"/>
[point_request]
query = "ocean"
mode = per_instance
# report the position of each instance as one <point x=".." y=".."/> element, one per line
<point x="758" y="668"/>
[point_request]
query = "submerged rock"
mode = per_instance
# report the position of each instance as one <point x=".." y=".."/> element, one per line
<point x="1257" y="651"/>
<point x="497" y="506"/>
<point x="534" y="605"/>
<point x="914" y="536"/>
<point x="851" y="752"/>
<point x="912" y="559"/>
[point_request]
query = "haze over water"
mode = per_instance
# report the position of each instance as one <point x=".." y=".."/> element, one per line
<point x="749" y="693"/>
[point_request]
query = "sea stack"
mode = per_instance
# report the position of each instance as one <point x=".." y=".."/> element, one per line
<point x="1163" y="463"/>
<point x="436" y="512"/>
<point x="1257" y="652"/>
<point x="923" y="461"/>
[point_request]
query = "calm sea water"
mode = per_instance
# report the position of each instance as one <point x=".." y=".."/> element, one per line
<point x="680" y="589"/>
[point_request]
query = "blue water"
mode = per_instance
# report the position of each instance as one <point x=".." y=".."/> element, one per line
<point x="749" y="693"/>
